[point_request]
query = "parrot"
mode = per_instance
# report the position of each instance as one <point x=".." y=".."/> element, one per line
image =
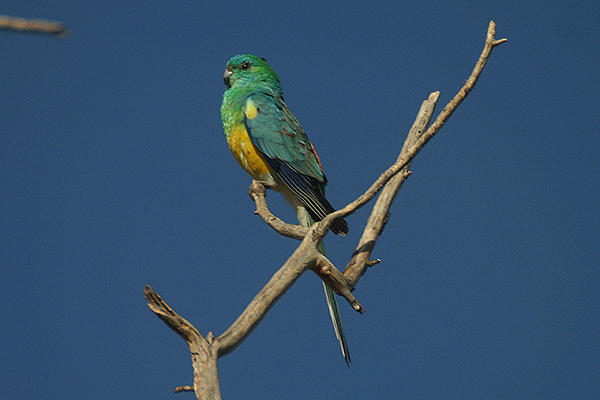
<point x="271" y="146"/>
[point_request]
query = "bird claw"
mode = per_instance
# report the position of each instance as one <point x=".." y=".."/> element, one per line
<point x="259" y="188"/>
<point x="265" y="184"/>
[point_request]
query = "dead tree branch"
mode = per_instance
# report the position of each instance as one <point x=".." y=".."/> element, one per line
<point x="258" y="193"/>
<point x="204" y="356"/>
<point x="206" y="351"/>
<point x="412" y="146"/>
<point x="42" y="26"/>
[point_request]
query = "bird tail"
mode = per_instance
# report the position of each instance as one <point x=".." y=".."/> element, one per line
<point x="334" y="310"/>
<point x="336" y="318"/>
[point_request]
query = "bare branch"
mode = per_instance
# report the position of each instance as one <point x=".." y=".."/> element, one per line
<point x="380" y="214"/>
<point x="54" y="28"/>
<point x="355" y="270"/>
<point x="392" y="178"/>
<point x="205" y="351"/>
<point x="258" y="193"/>
<point x="184" y="389"/>
<point x="490" y="43"/>
<point x="336" y="281"/>
<point x="304" y="257"/>
<point x="204" y="356"/>
<point x="169" y="316"/>
<point x="325" y="268"/>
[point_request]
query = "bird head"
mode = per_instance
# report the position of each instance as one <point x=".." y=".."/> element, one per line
<point x="247" y="69"/>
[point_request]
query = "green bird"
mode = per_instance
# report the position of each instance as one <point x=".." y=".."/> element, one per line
<point x="271" y="146"/>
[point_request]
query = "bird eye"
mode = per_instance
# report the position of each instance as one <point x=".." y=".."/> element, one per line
<point x="245" y="65"/>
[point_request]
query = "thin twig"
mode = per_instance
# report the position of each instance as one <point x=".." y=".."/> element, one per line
<point x="43" y="26"/>
<point x="354" y="271"/>
<point x="380" y="213"/>
<point x="372" y="191"/>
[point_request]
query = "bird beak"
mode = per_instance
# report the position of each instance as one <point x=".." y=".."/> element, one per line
<point x="226" y="76"/>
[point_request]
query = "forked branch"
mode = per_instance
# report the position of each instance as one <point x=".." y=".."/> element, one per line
<point x="206" y="351"/>
<point x="413" y="145"/>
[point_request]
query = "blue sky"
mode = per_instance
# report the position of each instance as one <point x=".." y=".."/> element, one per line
<point x="115" y="174"/>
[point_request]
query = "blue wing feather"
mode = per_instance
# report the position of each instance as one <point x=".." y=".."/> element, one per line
<point x="278" y="135"/>
<point x="285" y="146"/>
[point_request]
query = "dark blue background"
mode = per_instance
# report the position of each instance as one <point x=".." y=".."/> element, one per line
<point x="115" y="174"/>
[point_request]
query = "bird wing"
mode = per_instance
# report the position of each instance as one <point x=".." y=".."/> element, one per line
<point x="279" y="137"/>
<point x="277" y="134"/>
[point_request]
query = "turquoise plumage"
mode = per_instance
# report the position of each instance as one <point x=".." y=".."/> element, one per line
<point x="269" y="143"/>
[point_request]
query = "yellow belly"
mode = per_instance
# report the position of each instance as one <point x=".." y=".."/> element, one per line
<point x="246" y="153"/>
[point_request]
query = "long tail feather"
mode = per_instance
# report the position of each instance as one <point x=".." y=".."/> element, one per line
<point x="334" y="310"/>
<point x="336" y="319"/>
